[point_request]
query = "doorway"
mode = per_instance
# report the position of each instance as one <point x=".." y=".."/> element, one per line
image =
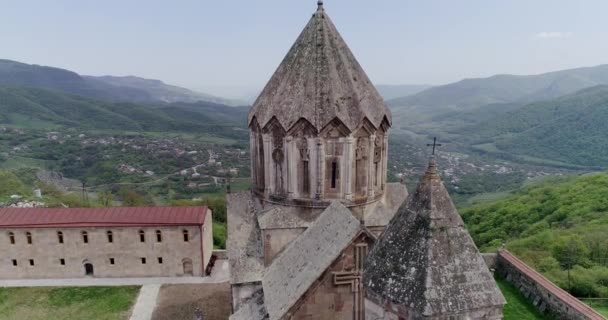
<point x="88" y="269"/>
<point x="188" y="268"/>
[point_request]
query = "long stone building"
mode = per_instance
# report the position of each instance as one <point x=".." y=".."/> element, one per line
<point x="43" y="243"/>
<point x="298" y="242"/>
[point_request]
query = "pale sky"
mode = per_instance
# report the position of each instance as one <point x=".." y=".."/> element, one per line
<point x="205" y="44"/>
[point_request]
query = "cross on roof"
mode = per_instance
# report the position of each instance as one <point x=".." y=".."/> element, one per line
<point x="434" y="145"/>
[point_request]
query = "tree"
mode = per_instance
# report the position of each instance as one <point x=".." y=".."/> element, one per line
<point x="105" y="198"/>
<point x="131" y="198"/>
<point x="570" y="251"/>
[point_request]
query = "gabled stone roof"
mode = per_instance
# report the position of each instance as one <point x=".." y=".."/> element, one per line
<point x="426" y="261"/>
<point x="252" y="309"/>
<point x="284" y="217"/>
<point x="320" y="80"/>
<point x="294" y="271"/>
<point x="244" y="244"/>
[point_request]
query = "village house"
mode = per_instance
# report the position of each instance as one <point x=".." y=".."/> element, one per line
<point x="41" y="243"/>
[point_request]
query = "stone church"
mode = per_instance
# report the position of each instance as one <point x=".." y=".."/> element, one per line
<point x="299" y="241"/>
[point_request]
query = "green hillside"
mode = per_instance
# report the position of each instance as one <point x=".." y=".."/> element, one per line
<point x="570" y="129"/>
<point x="471" y="93"/>
<point x="38" y="108"/>
<point x="557" y="226"/>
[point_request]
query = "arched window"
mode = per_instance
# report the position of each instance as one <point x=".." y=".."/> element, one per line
<point x="60" y="236"/>
<point x="142" y="236"/>
<point x="28" y="235"/>
<point x="110" y="236"/>
<point x="186" y="236"/>
<point x="11" y="237"/>
<point x="159" y="236"/>
<point x="85" y="237"/>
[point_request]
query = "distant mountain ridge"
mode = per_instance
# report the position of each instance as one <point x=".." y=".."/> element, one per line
<point x="471" y="93"/>
<point x="123" y="89"/>
<point x="571" y="129"/>
<point x="41" y="108"/>
<point x="393" y="91"/>
<point x="158" y="90"/>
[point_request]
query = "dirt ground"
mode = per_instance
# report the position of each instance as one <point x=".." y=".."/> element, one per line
<point x="178" y="302"/>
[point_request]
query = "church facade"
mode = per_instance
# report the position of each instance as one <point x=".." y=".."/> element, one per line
<point x="299" y="241"/>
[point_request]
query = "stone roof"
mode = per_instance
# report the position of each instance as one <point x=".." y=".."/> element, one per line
<point x="380" y="213"/>
<point x="320" y="80"/>
<point x="284" y="217"/>
<point x="244" y="244"/>
<point x="426" y="261"/>
<point x="305" y="259"/>
<point x="252" y="309"/>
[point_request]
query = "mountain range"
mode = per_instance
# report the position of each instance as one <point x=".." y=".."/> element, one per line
<point x="555" y="118"/>
<point x="471" y="93"/>
<point x="552" y="119"/>
<point x="110" y="88"/>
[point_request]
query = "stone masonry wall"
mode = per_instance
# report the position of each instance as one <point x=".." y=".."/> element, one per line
<point x="545" y="295"/>
<point x="46" y="257"/>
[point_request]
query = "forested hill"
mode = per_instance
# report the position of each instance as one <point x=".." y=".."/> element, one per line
<point x="126" y="89"/>
<point x="554" y="226"/>
<point x="471" y="93"/>
<point x="37" y="108"/>
<point x="571" y="129"/>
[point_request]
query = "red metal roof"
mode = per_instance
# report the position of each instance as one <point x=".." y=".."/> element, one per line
<point x="101" y="217"/>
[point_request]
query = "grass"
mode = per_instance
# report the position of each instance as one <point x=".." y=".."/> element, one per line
<point x="518" y="307"/>
<point x="599" y="306"/>
<point x="92" y="303"/>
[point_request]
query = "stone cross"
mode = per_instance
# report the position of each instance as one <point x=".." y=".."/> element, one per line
<point x="434" y="145"/>
<point x="353" y="279"/>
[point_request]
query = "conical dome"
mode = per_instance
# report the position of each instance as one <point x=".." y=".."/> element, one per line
<point x="427" y="263"/>
<point x="320" y="80"/>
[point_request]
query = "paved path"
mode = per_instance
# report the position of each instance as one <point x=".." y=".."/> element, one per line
<point x="146" y="302"/>
<point x="220" y="274"/>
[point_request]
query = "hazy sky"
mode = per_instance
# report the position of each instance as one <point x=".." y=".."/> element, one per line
<point x="204" y="43"/>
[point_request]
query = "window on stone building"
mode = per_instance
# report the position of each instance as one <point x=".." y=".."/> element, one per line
<point x="159" y="236"/>
<point x="11" y="237"/>
<point x="160" y="260"/>
<point x="334" y="174"/>
<point x="376" y="174"/>
<point x="110" y="236"/>
<point x="60" y="236"/>
<point x="112" y="261"/>
<point x="143" y="260"/>
<point x="186" y="236"/>
<point x="32" y="262"/>
<point x="85" y="237"/>
<point x="62" y="262"/>
<point x="142" y="236"/>
<point x="28" y="235"/>
<point x="14" y="262"/>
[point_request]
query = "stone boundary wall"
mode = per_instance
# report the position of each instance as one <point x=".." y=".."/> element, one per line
<point x="545" y="295"/>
